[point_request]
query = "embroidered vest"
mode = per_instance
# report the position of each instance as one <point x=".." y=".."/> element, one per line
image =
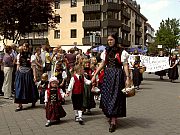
<point x="113" y="60"/>
<point x="78" y="87"/>
<point x="54" y="95"/>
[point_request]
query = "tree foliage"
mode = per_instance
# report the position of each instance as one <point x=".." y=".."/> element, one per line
<point x="18" y="17"/>
<point x="168" y="34"/>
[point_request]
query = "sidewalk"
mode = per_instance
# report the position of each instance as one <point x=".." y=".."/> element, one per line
<point x="154" y="110"/>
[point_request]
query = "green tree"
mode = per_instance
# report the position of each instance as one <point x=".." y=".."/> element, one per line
<point x="18" y="17"/>
<point x="168" y="34"/>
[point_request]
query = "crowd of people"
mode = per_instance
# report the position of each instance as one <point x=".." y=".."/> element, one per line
<point x="50" y="75"/>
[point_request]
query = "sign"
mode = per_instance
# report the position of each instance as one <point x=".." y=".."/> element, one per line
<point x="159" y="46"/>
<point x="152" y="64"/>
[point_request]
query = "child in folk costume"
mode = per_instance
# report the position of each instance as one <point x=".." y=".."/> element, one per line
<point x="53" y="99"/>
<point x="88" y="96"/>
<point x="76" y="85"/>
<point x="42" y="86"/>
<point x="61" y="75"/>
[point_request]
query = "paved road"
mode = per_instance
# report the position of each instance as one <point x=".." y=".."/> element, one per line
<point x="155" y="110"/>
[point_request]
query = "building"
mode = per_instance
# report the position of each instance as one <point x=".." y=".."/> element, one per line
<point x="149" y="36"/>
<point x="88" y="22"/>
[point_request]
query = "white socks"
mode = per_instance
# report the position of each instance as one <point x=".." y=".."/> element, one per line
<point x="80" y="114"/>
<point x="76" y="113"/>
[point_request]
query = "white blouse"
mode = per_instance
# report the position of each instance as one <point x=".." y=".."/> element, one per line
<point x="124" y="56"/>
<point x="33" y="58"/>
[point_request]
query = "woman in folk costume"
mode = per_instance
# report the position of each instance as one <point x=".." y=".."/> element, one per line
<point x="25" y="89"/>
<point x="76" y="85"/>
<point x="173" y="71"/>
<point x="116" y="77"/>
<point x="137" y="76"/>
<point x="88" y="96"/>
<point x="53" y="99"/>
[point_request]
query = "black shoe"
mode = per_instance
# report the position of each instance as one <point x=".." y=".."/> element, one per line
<point x="1" y="93"/>
<point x="48" y="124"/>
<point x="18" y="109"/>
<point x="112" y="128"/>
<point x="33" y="105"/>
<point x="81" y="121"/>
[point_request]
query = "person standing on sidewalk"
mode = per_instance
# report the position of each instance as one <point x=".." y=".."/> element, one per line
<point x="8" y="69"/>
<point x="14" y="57"/>
<point x="25" y="89"/>
<point x="116" y="77"/>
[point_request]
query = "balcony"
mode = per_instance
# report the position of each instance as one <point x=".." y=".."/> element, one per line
<point x="126" y="14"/>
<point x="138" y="22"/>
<point x="92" y="8"/>
<point x="126" y="28"/>
<point x="35" y="41"/>
<point x="138" y="33"/>
<point x="91" y="24"/>
<point x="40" y="28"/>
<point x="111" y="23"/>
<point x="86" y="40"/>
<point x="110" y="7"/>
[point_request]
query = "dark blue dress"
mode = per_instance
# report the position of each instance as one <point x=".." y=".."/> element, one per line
<point x="25" y="89"/>
<point x="113" y="101"/>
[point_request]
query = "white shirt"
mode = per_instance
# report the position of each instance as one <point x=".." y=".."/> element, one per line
<point x="72" y="81"/>
<point x="124" y="56"/>
<point x="43" y="56"/>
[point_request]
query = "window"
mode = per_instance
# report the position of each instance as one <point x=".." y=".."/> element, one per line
<point x="73" y="33"/>
<point x="57" y="19"/>
<point x="73" y="18"/>
<point x="105" y="32"/>
<point x="57" y="34"/>
<point x="132" y="38"/>
<point x="57" y="4"/>
<point x="132" y="13"/>
<point x="113" y="30"/>
<point x="73" y="3"/>
<point x="132" y="25"/>
<point x="112" y="15"/>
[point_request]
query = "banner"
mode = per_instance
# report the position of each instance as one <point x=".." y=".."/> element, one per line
<point x="152" y="64"/>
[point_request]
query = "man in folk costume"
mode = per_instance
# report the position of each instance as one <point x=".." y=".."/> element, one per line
<point x="76" y="85"/>
<point x="53" y="99"/>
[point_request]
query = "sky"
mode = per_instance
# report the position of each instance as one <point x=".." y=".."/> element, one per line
<point x="157" y="10"/>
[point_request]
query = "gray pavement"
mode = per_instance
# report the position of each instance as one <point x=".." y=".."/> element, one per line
<point x="154" y="110"/>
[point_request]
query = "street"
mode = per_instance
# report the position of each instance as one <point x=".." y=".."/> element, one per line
<point x="154" y="110"/>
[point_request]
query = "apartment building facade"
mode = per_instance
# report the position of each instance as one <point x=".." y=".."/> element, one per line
<point x="79" y="19"/>
<point x="149" y="36"/>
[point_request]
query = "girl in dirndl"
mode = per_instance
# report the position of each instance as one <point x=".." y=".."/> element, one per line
<point x="53" y="99"/>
